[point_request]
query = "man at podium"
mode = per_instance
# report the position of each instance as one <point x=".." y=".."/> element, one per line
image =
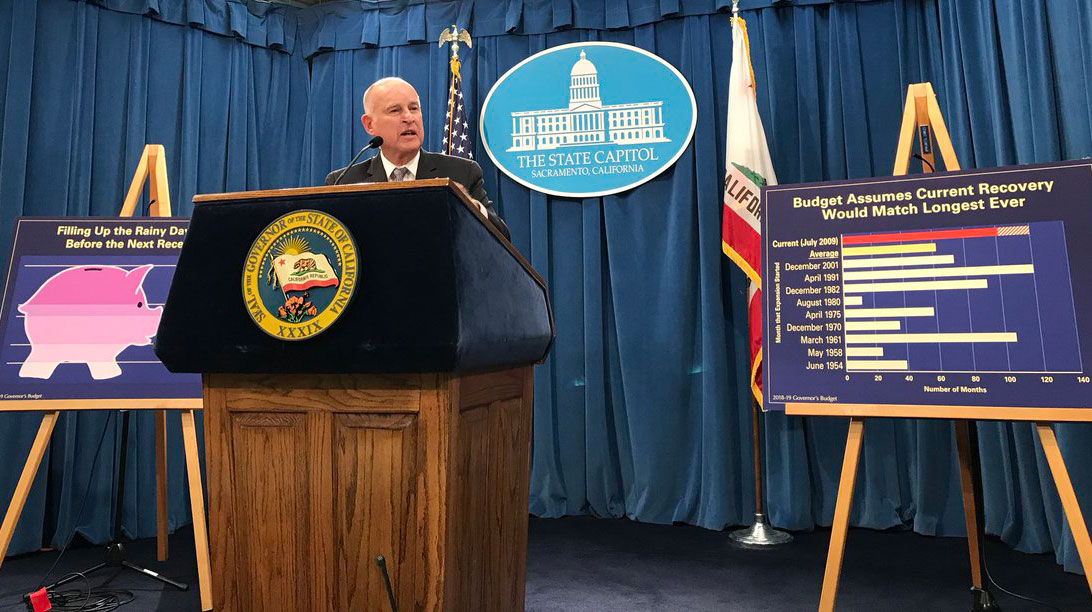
<point x="392" y="112"/>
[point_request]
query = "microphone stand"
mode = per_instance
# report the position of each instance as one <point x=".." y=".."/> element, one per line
<point x="382" y="563"/>
<point x="114" y="555"/>
<point x="373" y="143"/>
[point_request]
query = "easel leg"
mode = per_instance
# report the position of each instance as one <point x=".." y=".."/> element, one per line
<point x="970" y="476"/>
<point x="970" y="508"/>
<point x="128" y="207"/>
<point x="1068" y="497"/>
<point x="197" y="506"/>
<point x="841" y="515"/>
<point x="153" y="168"/>
<point x="26" y="479"/>
<point x="161" y="483"/>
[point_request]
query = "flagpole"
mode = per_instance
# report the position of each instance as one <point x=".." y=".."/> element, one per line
<point x="273" y="268"/>
<point x="452" y="67"/>
<point x="760" y="534"/>
<point x="756" y="446"/>
<point x="455" y="107"/>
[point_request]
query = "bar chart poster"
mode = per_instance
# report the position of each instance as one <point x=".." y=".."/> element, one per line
<point x="958" y="289"/>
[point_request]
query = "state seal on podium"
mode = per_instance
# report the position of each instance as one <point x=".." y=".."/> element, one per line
<point x="300" y="275"/>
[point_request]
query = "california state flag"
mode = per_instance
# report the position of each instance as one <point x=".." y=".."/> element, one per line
<point x="304" y="271"/>
<point x="748" y="168"/>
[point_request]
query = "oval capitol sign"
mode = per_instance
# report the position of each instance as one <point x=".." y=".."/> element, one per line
<point x="588" y="119"/>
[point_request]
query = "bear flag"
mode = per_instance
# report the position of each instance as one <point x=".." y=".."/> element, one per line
<point x="748" y="169"/>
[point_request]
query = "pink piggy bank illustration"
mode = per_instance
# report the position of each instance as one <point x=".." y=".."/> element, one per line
<point x="87" y="314"/>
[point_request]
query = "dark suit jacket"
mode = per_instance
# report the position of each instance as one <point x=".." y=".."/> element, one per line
<point x="466" y="172"/>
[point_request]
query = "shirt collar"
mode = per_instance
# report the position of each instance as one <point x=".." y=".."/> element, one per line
<point x="389" y="167"/>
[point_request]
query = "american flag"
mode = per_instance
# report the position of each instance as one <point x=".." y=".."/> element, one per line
<point x="457" y="135"/>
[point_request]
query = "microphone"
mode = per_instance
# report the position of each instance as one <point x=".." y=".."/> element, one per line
<point x="376" y="141"/>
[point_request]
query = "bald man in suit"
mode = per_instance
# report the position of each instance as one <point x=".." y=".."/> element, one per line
<point x="392" y="111"/>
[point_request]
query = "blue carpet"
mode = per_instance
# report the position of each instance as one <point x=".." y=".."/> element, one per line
<point x="591" y="565"/>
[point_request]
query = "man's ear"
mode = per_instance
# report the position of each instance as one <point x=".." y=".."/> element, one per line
<point x="365" y="120"/>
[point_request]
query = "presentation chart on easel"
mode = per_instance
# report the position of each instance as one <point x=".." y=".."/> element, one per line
<point x="81" y="307"/>
<point x="950" y="289"/>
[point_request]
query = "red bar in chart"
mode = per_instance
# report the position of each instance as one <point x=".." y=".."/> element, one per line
<point x="974" y="232"/>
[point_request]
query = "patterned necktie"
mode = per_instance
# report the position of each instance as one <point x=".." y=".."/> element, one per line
<point x="399" y="174"/>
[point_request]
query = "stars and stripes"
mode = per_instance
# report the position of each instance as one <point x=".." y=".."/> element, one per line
<point x="457" y="139"/>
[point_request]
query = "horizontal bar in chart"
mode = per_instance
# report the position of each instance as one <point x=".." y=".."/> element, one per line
<point x="864" y="351"/>
<point x="939" y="272"/>
<point x="873" y="325"/>
<point x="890" y="249"/>
<point x="862" y="313"/>
<point x="877" y="364"/>
<point x="945" y="285"/>
<point x="917" y="260"/>
<point x="939" y="234"/>
<point x="939" y="337"/>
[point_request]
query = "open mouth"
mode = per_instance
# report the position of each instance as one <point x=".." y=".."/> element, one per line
<point x="408" y="133"/>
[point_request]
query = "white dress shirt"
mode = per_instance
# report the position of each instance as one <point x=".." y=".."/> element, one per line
<point x="389" y="167"/>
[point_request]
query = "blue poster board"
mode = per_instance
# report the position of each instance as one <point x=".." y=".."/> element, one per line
<point x="80" y="308"/>
<point x="953" y="289"/>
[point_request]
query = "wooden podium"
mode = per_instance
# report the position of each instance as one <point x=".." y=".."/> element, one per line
<point x="402" y="431"/>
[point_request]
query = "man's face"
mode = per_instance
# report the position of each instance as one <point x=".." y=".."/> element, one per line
<point x="394" y="113"/>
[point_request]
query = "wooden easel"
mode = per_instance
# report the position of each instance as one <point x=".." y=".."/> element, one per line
<point x="922" y="114"/>
<point x="153" y="168"/>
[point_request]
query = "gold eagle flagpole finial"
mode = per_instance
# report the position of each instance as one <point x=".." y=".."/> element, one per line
<point x="455" y="36"/>
<point x="455" y="106"/>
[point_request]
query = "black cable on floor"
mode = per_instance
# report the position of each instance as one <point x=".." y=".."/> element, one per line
<point x="20" y="602"/>
<point x="88" y="599"/>
<point x="55" y="600"/>
<point x="76" y="522"/>
<point x="83" y="502"/>
<point x="986" y="569"/>
<point x="94" y="600"/>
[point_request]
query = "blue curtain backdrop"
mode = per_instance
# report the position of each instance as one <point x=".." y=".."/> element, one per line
<point x="82" y="89"/>
<point x="642" y="410"/>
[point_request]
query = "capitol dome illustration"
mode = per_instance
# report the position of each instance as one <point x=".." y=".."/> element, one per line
<point x="583" y="66"/>
<point x="583" y="83"/>
<point x="587" y="121"/>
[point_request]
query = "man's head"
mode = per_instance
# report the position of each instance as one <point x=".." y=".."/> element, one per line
<point x="392" y="110"/>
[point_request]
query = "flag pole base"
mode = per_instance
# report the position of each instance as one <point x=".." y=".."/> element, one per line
<point x="760" y="535"/>
<point x="982" y="601"/>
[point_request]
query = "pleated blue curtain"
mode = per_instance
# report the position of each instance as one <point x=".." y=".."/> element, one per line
<point x="832" y="82"/>
<point x="82" y="89"/>
<point x="1019" y="78"/>
<point x="641" y="411"/>
<point x="637" y="409"/>
<point x="1013" y="82"/>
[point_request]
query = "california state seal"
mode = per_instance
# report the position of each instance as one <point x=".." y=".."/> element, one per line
<point x="300" y="275"/>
